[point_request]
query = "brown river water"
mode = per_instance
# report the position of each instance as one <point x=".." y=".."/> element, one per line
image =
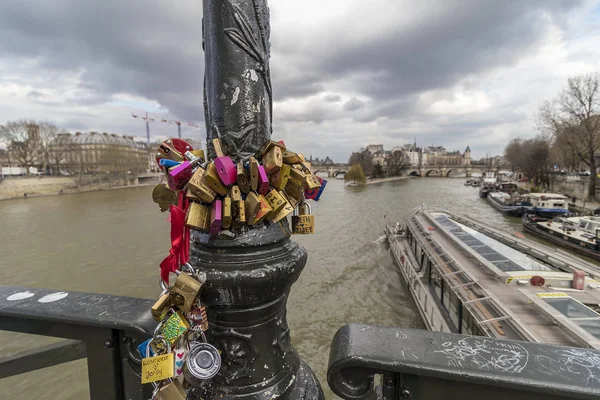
<point x="112" y="242"/>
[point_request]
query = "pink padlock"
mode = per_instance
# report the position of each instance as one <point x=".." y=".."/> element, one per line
<point x="215" y="218"/>
<point x="227" y="170"/>
<point x="180" y="175"/>
<point x="263" y="181"/>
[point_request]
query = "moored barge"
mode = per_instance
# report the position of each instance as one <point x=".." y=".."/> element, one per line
<point x="469" y="278"/>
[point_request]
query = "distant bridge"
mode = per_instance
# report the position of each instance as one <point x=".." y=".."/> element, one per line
<point x="332" y="170"/>
<point x="447" y="170"/>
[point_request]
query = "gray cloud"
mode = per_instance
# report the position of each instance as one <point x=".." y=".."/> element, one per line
<point x="152" y="51"/>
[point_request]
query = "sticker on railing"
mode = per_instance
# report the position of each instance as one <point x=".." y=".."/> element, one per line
<point x="542" y="295"/>
<point x="20" y="296"/>
<point x="49" y="298"/>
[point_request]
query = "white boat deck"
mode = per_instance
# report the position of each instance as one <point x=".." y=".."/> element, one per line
<point x="507" y="296"/>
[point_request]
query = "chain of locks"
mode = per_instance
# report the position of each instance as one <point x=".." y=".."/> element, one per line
<point x="269" y="186"/>
<point x="222" y="195"/>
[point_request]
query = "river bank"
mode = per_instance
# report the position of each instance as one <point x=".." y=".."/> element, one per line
<point x="391" y="178"/>
<point x="16" y="188"/>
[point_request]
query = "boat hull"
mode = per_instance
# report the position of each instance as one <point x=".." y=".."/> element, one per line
<point x="549" y="212"/>
<point x="586" y="248"/>
<point x="515" y="211"/>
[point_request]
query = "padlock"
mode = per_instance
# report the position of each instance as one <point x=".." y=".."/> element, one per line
<point x="216" y="217"/>
<point x="303" y="223"/>
<point x="200" y="187"/>
<point x="171" y="390"/>
<point x="297" y="176"/>
<point x="290" y="157"/>
<point x="162" y="306"/>
<point x="265" y="148"/>
<point x="312" y="182"/>
<point x="217" y="146"/>
<point x="252" y="205"/>
<point x="315" y="194"/>
<point x="292" y="201"/>
<point x="174" y="327"/>
<point x="203" y="363"/>
<point x="235" y="193"/>
<point x="199" y="154"/>
<point x="226" y="219"/>
<point x="239" y="213"/>
<point x="165" y="162"/>
<point x="192" y="158"/>
<point x="159" y="366"/>
<point x="185" y="291"/>
<point x="263" y="181"/>
<point x="190" y="195"/>
<point x="306" y="167"/>
<point x="144" y="349"/>
<point x="263" y="212"/>
<point x="199" y="318"/>
<point x="168" y="151"/>
<point x="213" y="180"/>
<point x="280" y="178"/>
<point x="226" y="170"/>
<point x="284" y="212"/>
<point x="275" y="200"/>
<point x="179" y="176"/>
<point x="163" y="196"/>
<point x="253" y="174"/>
<point x="294" y="190"/>
<point x="272" y="160"/>
<point x="198" y="217"/>
<point x="243" y="180"/>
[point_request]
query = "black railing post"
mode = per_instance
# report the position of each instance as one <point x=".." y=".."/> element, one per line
<point x="250" y="271"/>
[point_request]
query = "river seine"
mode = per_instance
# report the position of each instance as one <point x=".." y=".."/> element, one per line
<point x="112" y="242"/>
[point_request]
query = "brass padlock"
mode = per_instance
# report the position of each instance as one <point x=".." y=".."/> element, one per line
<point x="168" y="151"/>
<point x="253" y="174"/>
<point x="198" y="217"/>
<point x="226" y="220"/>
<point x="305" y="167"/>
<point x="293" y="202"/>
<point x="294" y="190"/>
<point x="199" y="187"/>
<point x="235" y="193"/>
<point x="280" y="178"/>
<point x="252" y="205"/>
<point x="312" y="182"/>
<point x="263" y="212"/>
<point x="162" y="306"/>
<point x="297" y="176"/>
<point x="272" y="160"/>
<point x="268" y="146"/>
<point x="284" y="211"/>
<point x="303" y="223"/>
<point x="172" y="390"/>
<point x="239" y="213"/>
<point x="212" y="177"/>
<point x="275" y="200"/>
<point x="185" y="290"/>
<point x="218" y="149"/>
<point x="243" y="180"/>
<point x="290" y="157"/>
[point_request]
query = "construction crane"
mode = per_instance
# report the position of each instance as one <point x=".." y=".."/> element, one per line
<point x="179" y="123"/>
<point x="147" y="119"/>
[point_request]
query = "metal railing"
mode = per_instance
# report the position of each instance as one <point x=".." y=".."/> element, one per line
<point x="102" y="328"/>
<point x="424" y="365"/>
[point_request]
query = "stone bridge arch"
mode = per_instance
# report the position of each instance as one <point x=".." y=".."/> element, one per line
<point x="437" y="172"/>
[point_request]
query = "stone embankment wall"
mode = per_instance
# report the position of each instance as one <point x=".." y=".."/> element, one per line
<point x="15" y="187"/>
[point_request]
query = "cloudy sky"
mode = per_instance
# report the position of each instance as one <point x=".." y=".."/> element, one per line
<point x="346" y="73"/>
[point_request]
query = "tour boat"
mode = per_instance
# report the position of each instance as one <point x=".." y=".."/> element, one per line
<point x="508" y="203"/>
<point x="577" y="233"/>
<point x="469" y="278"/>
<point x="548" y="204"/>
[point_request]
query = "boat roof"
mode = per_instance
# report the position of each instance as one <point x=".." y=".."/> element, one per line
<point x="501" y="295"/>
<point x="548" y="196"/>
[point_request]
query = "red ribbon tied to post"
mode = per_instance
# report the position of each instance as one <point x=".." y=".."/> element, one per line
<point x="180" y="239"/>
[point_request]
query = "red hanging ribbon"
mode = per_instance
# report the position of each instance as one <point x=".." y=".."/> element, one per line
<point x="180" y="239"/>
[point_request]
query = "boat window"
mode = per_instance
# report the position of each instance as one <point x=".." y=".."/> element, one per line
<point x="454" y="308"/>
<point x="570" y="308"/>
<point x="592" y="326"/>
<point x="436" y="282"/>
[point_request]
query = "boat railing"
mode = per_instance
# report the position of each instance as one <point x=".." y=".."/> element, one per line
<point x="104" y="329"/>
<point x="425" y="365"/>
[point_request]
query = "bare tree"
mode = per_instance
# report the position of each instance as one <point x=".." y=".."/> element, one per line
<point x="48" y="132"/>
<point x="399" y="161"/>
<point x="23" y="142"/>
<point x="364" y="159"/>
<point x="513" y="153"/>
<point x="573" y="120"/>
<point x="532" y="157"/>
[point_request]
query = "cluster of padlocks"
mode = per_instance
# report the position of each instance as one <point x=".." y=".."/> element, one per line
<point x="177" y="355"/>
<point x="269" y="186"/>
